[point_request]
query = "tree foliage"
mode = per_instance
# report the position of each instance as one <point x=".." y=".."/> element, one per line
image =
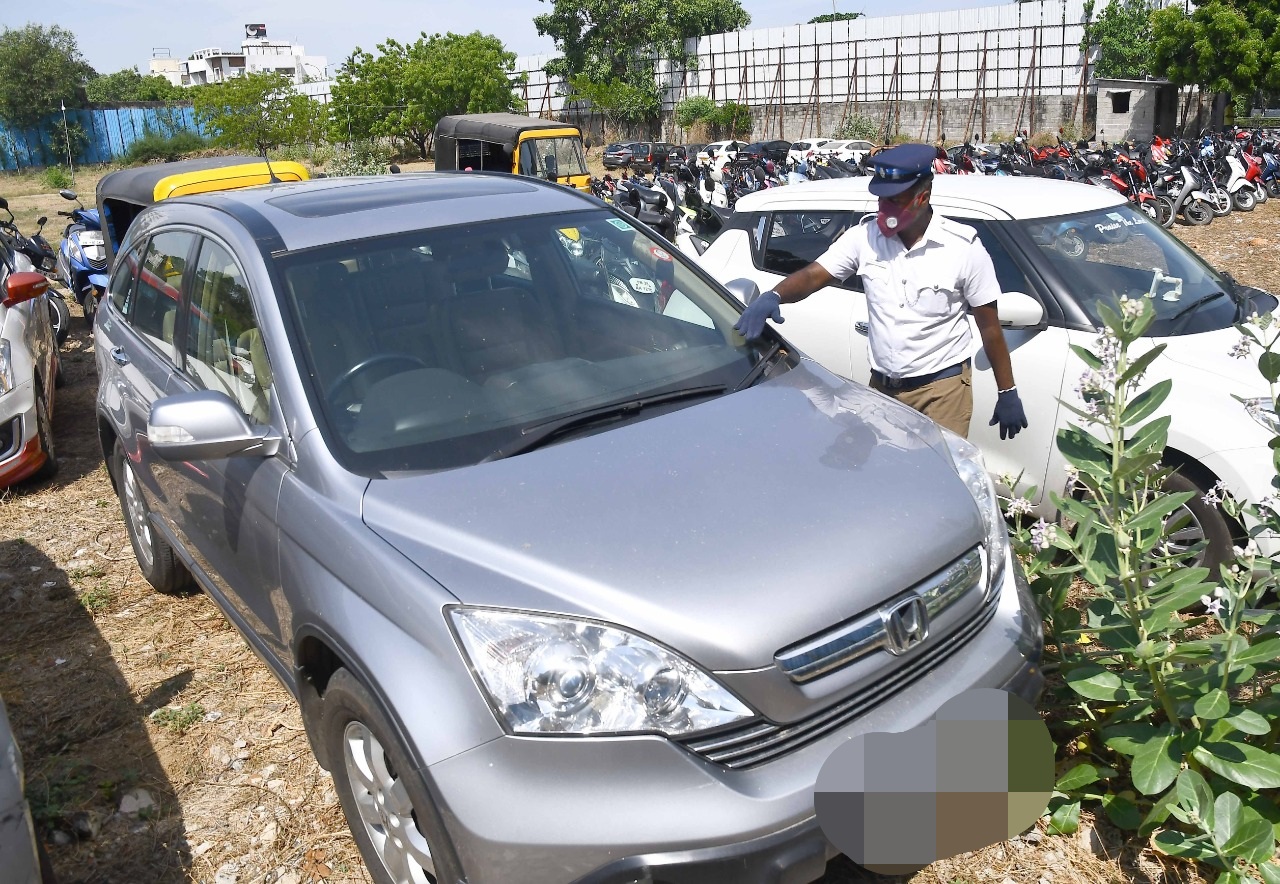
<point x="1220" y="46"/>
<point x="1123" y="31"/>
<point x="404" y="90"/>
<point x="607" y="41"/>
<point x="619" y="101"/>
<point x="694" y="109"/>
<point x="732" y="120"/>
<point x="257" y="112"/>
<point x="40" y="68"/>
<point x="128" y="85"/>
<point x="834" y="16"/>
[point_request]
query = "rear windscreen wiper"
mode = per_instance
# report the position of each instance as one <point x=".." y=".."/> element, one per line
<point x="535" y="435"/>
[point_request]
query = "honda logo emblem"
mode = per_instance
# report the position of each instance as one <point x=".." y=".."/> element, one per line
<point x="906" y="625"/>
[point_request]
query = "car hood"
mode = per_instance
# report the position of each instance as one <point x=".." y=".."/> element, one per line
<point x="1211" y="352"/>
<point x="726" y="530"/>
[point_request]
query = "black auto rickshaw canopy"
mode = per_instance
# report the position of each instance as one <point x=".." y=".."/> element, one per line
<point x="487" y="142"/>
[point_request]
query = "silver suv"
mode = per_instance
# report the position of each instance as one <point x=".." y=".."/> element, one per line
<point x="572" y="583"/>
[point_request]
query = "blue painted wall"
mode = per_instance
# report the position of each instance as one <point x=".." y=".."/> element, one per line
<point x="110" y="132"/>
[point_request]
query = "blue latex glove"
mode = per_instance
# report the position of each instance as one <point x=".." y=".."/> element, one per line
<point x="751" y="323"/>
<point x="1009" y="414"/>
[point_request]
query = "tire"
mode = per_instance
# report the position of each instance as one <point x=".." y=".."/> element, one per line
<point x="1070" y="243"/>
<point x="90" y="308"/>
<point x="59" y="376"/>
<point x="44" y="430"/>
<point x="1260" y="192"/>
<point x="156" y="559"/>
<point x="1244" y="199"/>
<point x="1164" y="211"/>
<point x="1273" y="187"/>
<point x="60" y="316"/>
<point x="367" y="760"/>
<point x="1220" y="203"/>
<point x="1207" y="523"/>
<point x="1197" y="212"/>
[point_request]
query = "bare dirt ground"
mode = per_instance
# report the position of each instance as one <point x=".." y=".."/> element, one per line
<point x="160" y="749"/>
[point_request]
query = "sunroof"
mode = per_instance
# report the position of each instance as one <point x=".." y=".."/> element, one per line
<point x="364" y="197"/>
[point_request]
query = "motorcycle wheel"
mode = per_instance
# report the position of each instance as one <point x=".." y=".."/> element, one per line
<point x="1244" y="199"/>
<point x="1197" y="212"/>
<point x="1164" y="211"/>
<point x="1220" y="203"/>
<point x="60" y="316"/>
<point x="1273" y="186"/>
<point x="1070" y="243"/>
<point x="1260" y="192"/>
<point x="90" y="308"/>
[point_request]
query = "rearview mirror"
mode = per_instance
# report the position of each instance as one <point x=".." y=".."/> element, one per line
<point x="68" y="194"/>
<point x="23" y="286"/>
<point x="745" y="290"/>
<point x="4" y="204"/>
<point x="1017" y="310"/>
<point x="205" y="426"/>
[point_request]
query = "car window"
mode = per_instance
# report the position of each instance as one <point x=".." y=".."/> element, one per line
<point x="1008" y="273"/>
<point x="123" y="278"/>
<point x="224" y="346"/>
<point x="796" y="239"/>
<point x="152" y="307"/>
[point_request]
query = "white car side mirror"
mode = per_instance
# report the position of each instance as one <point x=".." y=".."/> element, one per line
<point x="1017" y="310"/>
<point x="745" y="290"/>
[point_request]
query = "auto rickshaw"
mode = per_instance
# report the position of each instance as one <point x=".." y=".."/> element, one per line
<point x="512" y="143"/>
<point x="123" y="195"/>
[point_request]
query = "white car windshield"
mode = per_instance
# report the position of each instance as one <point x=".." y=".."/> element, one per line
<point x="1106" y="254"/>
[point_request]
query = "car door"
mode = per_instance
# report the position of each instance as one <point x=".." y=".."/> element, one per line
<point x="136" y="343"/>
<point x="229" y="505"/>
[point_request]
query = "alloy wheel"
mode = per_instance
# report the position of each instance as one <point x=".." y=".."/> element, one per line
<point x="136" y="507"/>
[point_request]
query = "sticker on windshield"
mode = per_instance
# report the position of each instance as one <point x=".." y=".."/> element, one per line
<point x="1116" y="221"/>
<point x="619" y="223"/>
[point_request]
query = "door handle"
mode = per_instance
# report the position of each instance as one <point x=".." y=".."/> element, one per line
<point x="861" y="328"/>
<point x="118" y="354"/>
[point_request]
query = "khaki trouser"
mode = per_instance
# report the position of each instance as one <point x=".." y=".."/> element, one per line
<point x="948" y="402"/>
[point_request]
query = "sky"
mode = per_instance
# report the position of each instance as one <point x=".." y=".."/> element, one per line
<point x="116" y="34"/>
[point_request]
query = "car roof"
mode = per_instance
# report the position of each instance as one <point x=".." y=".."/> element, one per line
<point x="1012" y="196"/>
<point x="331" y="210"/>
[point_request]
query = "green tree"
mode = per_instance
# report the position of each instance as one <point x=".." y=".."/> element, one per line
<point x="1220" y="47"/>
<point x="732" y="120"/>
<point x="607" y="41"/>
<point x="405" y="89"/>
<point x="619" y="101"/>
<point x="255" y="112"/>
<point x="1123" y="31"/>
<point x="39" y="69"/>
<point x="128" y="85"/>
<point x="834" y="16"/>
<point x="694" y="109"/>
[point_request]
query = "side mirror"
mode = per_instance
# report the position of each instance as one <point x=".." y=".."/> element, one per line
<point x="68" y="195"/>
<point x="1017" y="310"/>
<point x="745" y="290"/>
<point x="25" y="285"/>
<point x="4" y="204"/>
<point x="42" y="220"/>
<point x="587" y="144"/>
<point x="205" y="426"/>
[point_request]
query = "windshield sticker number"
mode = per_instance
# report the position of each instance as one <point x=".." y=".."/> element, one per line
<point x="620" y="224"/>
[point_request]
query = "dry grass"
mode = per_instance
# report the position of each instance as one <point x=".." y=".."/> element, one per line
<point x="89" y="652"/>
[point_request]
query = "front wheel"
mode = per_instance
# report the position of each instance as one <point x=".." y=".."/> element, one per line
<point x="1194" y="522"/>
<point x="1273" y="187"/>
<point x="393" y="820"/>
<point x="90" y="307"/>
<point x="44" y="431"/>
<point x="60" y="317"/>
<point x="1220" y="202"/>
<point x="1197" y="212"/>
<point x="1244" y="199"/>
<point x="156" y="559"/>
<point x="1260" y="192"/>
<point x="1164" y="211"/>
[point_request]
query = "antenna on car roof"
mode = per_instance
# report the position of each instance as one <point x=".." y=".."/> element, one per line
<point x="270" y="171"/>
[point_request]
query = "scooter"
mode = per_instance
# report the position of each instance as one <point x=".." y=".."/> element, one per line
<point x="1243" y="194"/>
<point x="45" y="261"/>
<point x="82" y="257"/>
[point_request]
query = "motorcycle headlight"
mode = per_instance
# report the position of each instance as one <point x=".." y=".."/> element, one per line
<point x="77" y="253"/>
<point x="6" y="367"/>
<point x="973" y="470"/>
<point x="559" y="675"/>
<point x="1264" y="412"/>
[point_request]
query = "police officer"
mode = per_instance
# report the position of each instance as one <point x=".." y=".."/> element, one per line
<point x="921" y="274"/>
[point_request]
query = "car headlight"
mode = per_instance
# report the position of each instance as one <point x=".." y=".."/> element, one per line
<point x="1264" y="412"/>
<point x="558" y="675"/>
<point x="6" y="367"/>
<point x="973" y="470"/>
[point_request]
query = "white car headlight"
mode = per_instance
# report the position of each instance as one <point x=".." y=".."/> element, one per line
<point x="557" y="675"/>
<point x="6" y="367"/>
<point x="973" y="470"/>
<point x="1264" y="412"/>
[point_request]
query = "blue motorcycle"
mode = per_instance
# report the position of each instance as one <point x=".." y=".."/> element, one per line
<point x="82" y="256"/>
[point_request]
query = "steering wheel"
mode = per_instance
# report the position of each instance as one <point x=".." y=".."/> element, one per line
<point x="360" y="368"/>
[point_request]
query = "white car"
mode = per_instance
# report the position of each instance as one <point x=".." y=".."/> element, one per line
<point x="1059" y="249"/>
<point x="847" y="151"/>
<point x="807" y="150"/>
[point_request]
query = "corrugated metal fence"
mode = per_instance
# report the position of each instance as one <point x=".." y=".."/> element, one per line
<point x="109" y="131"/>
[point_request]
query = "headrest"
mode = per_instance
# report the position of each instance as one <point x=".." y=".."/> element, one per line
<point x="477" y="259"/>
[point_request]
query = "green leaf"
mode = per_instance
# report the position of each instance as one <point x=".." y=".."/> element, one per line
<point x="1127" y="739"/>
<point x="1078" y="777"/>
<point x="1253" y="839"/>
<point x="1175" y="843"/>
<point x="1269" y="365"/>
<point x="1159" y="812"/>
<point x="1249" y="722"/>
<point x="1240" y="763"/>
<point x="1228" y="816"/>
<point x="1213" y="705"/>
<point x="1087" y="357"/>
<point x="1083" y="450"/>
<point x="1145" y="405"/>
<point x="1270" y="873"/>
<point x="1139" y="365"/>
<point x="1234" y="876"/>
<point x="1153" y="436"/>
<point x="1110" y="318"/>
<point x="1066" y="819"/>
<point x="1155" y="765"/>
<point x="1154" y="513"/>
<point x="1093" y="681"/>
<point x="1194" y="794"/>
<point x="1121" y="811"/>
<point x="1261" y="652"/>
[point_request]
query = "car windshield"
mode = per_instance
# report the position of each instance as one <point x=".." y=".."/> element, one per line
<point x="544" y="157"/>
<point x="1106" y="254"/>
<point x="443" y="347"/>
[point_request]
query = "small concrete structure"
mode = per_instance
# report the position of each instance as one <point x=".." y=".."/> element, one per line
<point x="1135" y="109"/>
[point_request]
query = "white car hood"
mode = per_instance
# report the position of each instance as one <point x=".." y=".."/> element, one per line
<point x="1211" y="352"/>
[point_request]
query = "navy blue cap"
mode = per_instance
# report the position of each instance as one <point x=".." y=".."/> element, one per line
<point x="898" y="168"/>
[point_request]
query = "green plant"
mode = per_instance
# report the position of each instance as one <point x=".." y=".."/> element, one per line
<point x="694" y="109"/>
<point x="361" y="158"/>
<point x="96" y="599"/>
<point x="56" y="178"/>
<point x="1168" y="705"/>
<point x="178" y="719"/>
<point x="152" y="147"/>
<point x="732" y="120"/>
<point x="859" y="125"/>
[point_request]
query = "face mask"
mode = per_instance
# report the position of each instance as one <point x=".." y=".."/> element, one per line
<point x="893" y="218"/>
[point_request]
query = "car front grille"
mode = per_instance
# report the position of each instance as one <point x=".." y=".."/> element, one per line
<point x="755" y="742"/>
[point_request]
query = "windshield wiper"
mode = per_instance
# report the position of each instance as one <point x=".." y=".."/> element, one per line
<point x="536" y="435"/>
<point x="1192" y="307"/>
<point x="761" y="364"/>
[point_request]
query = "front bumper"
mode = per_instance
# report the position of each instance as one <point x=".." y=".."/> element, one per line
<point x="644" y="809"/>
<point x="1247" y="474"/>
<point x="20" y="454"/>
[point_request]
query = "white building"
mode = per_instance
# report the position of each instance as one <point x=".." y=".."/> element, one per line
<point x="257" y="54"/>
<point x="165" y="66"/>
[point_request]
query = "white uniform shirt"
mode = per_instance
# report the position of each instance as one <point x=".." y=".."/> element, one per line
<point x="917" y="298"/>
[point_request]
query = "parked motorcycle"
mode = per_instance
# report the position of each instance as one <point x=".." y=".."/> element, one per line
<point x="82" y="256"/>
<point x="44" y="260"/>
